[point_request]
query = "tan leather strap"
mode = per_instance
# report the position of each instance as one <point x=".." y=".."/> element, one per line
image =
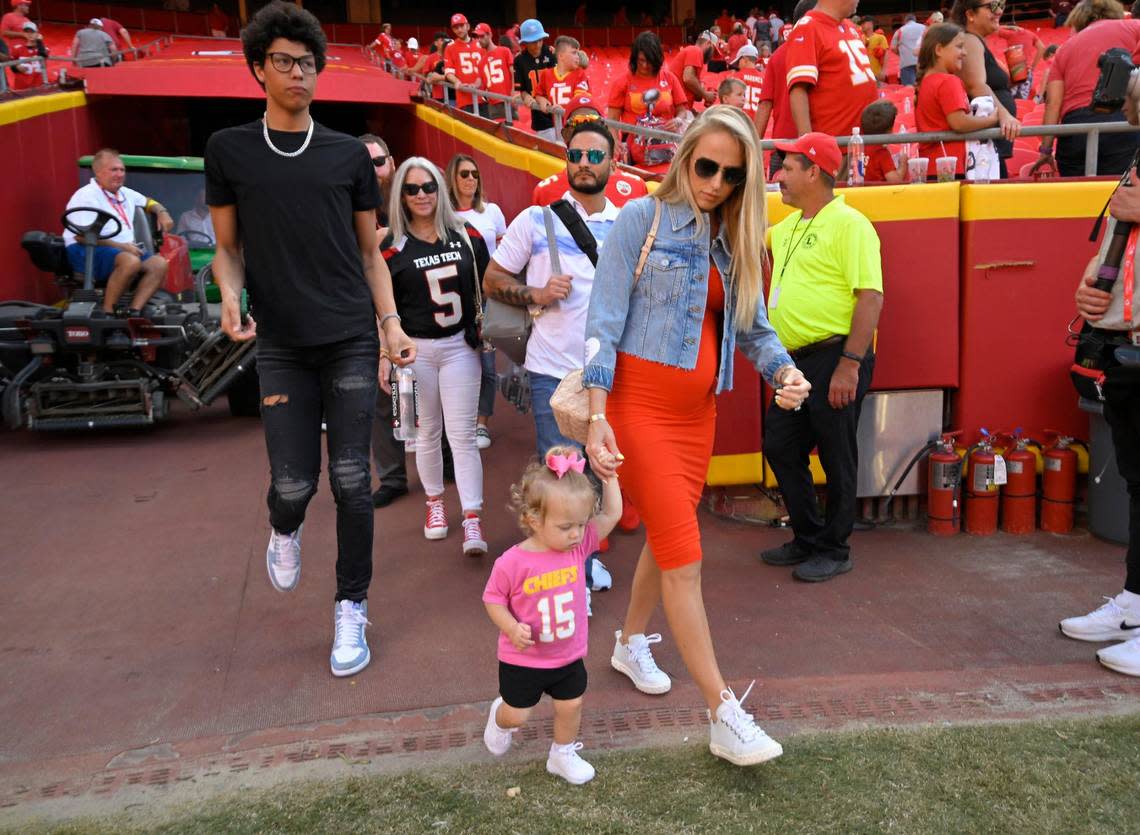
<point x="648" y="245"/>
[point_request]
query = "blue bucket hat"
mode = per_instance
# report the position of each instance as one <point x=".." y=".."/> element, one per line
<point x="531" y="31"/>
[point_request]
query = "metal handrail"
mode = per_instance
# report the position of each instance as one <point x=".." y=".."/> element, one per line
<point x="34" y="59"/>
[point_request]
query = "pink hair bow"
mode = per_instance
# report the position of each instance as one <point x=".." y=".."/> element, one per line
<point x="562" y="464"/>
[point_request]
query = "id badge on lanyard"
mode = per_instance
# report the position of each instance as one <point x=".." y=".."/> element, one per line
<point x="120" y="209"/>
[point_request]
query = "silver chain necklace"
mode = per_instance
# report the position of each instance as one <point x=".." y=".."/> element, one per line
<point x="278" y="151"/>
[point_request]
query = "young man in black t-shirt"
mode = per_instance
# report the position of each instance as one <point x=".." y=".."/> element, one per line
<point x="536" y="56"/>
<point x="294" y="211"/>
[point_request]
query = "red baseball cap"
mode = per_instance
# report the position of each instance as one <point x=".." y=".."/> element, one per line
<point x="480" y="28"/>
<point x="581" y="103"/>
<point x="457" y="20"/>
<point x="820" y="148"/>
<point x="16" y="3"/>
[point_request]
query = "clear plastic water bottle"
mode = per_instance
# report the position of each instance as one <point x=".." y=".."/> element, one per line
<point x="405" y="404"/>
<point x="855" y="159"/>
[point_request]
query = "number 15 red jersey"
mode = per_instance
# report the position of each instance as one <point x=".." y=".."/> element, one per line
<point x="829" y="56"/>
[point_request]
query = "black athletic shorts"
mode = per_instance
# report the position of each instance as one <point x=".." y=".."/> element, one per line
<point x="522" y="687"/>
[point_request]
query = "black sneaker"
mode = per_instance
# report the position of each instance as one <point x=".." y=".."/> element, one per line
<point x="821" y="567"/>
<point x="790" y="553"/>
<point x="386" y="495"/>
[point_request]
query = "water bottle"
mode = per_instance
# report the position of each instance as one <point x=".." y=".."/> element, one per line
<point x="855" y="159"/>
<point x="405" y="404"/>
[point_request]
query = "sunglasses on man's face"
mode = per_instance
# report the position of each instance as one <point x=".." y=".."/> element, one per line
<point x="470" y="172"/>
<point x="412" y="189"/>
<point x="706" y="169"/>
<point x="380" y="161"/>
<point x="594" y="156"/>
<point x="995" y="8"/>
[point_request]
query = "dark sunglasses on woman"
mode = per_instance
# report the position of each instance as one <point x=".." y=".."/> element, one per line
<point x="706" y="169"/>
<point x="470" y="172"/>
<point x="412" y="189"/>
<point x="594" y="156"/>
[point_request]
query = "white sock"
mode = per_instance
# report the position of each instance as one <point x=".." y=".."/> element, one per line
<point x="1128" y="600"/>
<point x="557" y="748"/>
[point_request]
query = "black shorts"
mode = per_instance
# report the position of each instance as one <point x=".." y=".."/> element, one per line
<point x="522" y="687"/>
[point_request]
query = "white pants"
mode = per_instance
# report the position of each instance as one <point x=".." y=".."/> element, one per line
<point x="448" y="375"/>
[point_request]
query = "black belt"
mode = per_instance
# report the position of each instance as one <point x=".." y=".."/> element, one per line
<point x="814" y="347"/>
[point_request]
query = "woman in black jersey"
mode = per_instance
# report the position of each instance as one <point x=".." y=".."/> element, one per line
<point x="982" y="74"/>
<point x="437" y="261"/>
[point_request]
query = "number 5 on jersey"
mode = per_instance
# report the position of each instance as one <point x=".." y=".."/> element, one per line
<point x="450" y="300"/>
<point x="563" y="617"/>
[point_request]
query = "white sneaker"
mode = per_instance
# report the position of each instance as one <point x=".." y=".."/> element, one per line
<point x="564" y="762"/>
<point x="435" y="524"/>
<point x="735" y="736"/>
<point x="636" y="660"/>
<point x="600" y="578"/>
<point x="350" y="652"/>
<point x="482" y="436"/>
<point x="497" y="740"/>
<point x="1111" y="622"/>
<point x="283" y="559"/>
<point x="1124" y="658"/>
<point x="474" y="545"/>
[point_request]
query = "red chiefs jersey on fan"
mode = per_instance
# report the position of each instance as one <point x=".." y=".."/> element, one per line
<point x="620" y="189"/>
<point x="498" y="72"/>
<point x="785" y="32"/>
<point x="829" y="56"/>
<point x="383" y="44"/>
<point x="754" y="84"/>
<point x="560" y="89"/>
<point x="465" y="59"/>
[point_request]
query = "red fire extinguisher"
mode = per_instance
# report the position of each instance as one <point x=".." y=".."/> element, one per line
<point x="1058" y="485"/>
<point x="1019" y="495"/>
<point x="981" y="488"/>
<point x="943" y="498"/>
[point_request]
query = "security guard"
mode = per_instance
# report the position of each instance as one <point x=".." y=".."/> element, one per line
<point x="827" y="291"/>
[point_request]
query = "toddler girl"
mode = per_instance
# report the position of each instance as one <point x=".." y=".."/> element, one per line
<point x="942" y="101"/>
<point x="537" y="597"/>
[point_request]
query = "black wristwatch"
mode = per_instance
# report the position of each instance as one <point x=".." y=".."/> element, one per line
<point x="853" y="356"/>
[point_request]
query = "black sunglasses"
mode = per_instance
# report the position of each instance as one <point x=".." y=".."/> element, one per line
<point x="995" y="8"/>
<point x="594" y="155"/>
<point x="283" y="62"/>
<point x="706" y="169"/>
<point x="412" y="189"/>
<point x="380" y="161"/>
<point x="470" y="172"/>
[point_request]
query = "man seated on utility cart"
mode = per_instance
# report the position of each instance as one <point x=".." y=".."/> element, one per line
<point x="118" y="258"/>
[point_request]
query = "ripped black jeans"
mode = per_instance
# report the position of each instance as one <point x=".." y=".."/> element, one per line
<point x="298" y="387"/>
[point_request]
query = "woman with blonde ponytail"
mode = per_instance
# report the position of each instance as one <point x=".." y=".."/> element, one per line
<point x="678" y="287"/>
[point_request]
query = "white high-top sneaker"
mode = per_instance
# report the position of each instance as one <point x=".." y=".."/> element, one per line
<point x="735" y="736"/>
<point x="283" y="559"/>
<point x="564" y="762"/>
<point x="636" y="661"/>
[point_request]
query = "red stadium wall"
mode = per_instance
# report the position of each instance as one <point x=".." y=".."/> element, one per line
<point x="134" y="18"/>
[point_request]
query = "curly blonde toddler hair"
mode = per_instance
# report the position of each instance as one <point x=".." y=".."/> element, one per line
<point x="530" y="495"/>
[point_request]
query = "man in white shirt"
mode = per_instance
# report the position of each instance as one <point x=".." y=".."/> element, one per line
<point x="557" y="341"/>
<point x="118" y="259"/>
<point x="197" y="221"/>
<point x="905" y="43"/>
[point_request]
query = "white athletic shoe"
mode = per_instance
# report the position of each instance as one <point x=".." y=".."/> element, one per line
<point x="283" y="559"/>
<point x="1124" y="658"/>
<point x="350" y="653"/>
<point x="1111" y="622"/>
<point x="497" y="740"/>
<point x="600" y="578"/>
<point x="564" y="762"/>
<point x="735" y="736"/>
<point x="636" y="661"/>
<point x="482" y="436"/>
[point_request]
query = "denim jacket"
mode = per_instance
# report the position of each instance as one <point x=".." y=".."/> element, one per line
<point x="660" y="319"/>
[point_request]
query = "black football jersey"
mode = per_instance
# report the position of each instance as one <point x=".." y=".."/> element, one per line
<point x="434" y="283"/>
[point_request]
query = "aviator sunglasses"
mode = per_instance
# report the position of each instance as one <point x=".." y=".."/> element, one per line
<point x="594" y="156"/>
<point x="706" y="169"/>
<point x="470" y="172"/>
<point x="996" y="7"/>
<point x="412" y="189"/>
<point x="380" y="161"/>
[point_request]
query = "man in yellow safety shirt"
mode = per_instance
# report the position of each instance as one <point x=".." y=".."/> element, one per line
<point x="827" y="291"/>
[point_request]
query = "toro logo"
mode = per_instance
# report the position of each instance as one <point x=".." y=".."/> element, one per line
<point x="74" y="334"/>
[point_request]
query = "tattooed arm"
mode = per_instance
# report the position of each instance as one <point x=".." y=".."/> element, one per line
<point x="503" y="286"/>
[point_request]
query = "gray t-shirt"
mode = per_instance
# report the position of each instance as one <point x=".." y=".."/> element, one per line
<point x="94" y="47"/>
<point x="909" y="40"/>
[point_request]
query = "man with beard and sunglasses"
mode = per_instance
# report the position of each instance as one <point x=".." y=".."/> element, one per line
<point x="825" y="298"/>
<point x="557" y="340"/>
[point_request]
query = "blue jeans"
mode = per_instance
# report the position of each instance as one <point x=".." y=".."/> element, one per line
<point x="546" y="432"/>
<point x="907" y="75"/>
<point x="488" y="384"/>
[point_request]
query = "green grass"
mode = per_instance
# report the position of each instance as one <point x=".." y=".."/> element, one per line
<point x="1062" y="777"/>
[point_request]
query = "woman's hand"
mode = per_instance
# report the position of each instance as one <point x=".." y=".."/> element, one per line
<point x="602" y="450"/>
<point x="401" y="347"/>
<point x="1010" y="127"/>
<point x="793" y="391"/>
<point x="384" y="374"/>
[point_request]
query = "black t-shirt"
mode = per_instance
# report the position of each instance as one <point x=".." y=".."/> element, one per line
<point x="525" y="64"/>
<point x="435" y="283"/>
<point x="295" y="224"/>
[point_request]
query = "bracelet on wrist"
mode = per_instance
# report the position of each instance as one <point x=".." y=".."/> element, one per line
<point x="851" y="355"/>
<point x="388" y="316"/>
<point x="595" y="418"/>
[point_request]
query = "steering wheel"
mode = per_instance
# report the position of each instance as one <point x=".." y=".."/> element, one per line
<point x="196" y="239"/>
<point x="98" y="225"/>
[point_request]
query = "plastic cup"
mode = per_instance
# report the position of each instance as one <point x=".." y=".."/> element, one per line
<point x="918" y="167"/>
<point x="946" y="166"/>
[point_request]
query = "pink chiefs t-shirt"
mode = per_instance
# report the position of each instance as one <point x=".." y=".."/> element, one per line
<point x="546" y="590"/>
